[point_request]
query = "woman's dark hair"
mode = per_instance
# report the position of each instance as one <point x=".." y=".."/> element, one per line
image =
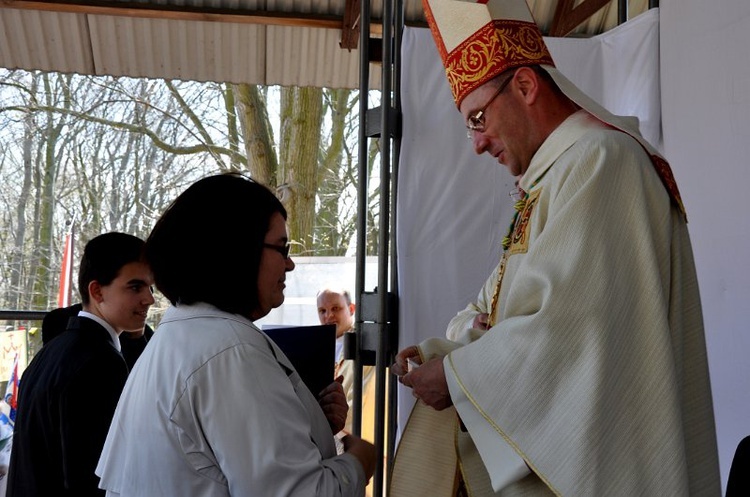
<point x="206" y="247"/>
<point x="103" y="257"/>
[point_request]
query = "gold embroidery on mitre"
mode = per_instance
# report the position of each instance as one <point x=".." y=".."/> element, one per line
<point x="519" y="239"/>
<point x="499" y="45"/>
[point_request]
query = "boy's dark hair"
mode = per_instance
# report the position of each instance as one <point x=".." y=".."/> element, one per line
<point x="104" y="256"/>
<point x="207" y="245"/>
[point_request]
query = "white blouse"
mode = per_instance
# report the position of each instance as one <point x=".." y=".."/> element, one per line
<point x="214" y="408"/>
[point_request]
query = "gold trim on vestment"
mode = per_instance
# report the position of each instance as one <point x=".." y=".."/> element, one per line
<point x="518" y="243"/>
<point x="519" y="238"/>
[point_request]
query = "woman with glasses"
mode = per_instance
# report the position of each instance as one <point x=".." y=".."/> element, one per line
<point x="213" y="407"/>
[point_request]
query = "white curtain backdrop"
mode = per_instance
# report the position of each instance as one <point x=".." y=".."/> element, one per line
<point x="454" y="207"/>
<point x="705" y="74"/>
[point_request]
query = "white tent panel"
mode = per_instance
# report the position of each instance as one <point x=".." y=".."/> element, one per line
<point x="619" y="69"/>
<point x="705" y="73"/>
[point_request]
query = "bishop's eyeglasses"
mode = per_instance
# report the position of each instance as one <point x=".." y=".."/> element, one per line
<point x="476" y="121"/>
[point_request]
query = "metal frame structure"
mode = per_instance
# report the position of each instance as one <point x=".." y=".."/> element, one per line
<point x="377" y="312"/>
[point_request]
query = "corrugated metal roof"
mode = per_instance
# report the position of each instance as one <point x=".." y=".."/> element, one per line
<point x="45" y="40"/>
<point x="210" y="40"/>
<point x="189" y="50"/>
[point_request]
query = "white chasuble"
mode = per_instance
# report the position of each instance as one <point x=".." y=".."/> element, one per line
<point x="595" y="375"/>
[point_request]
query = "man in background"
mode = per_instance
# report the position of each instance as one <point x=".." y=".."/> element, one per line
<point x="336" y="307"/>
<point x="70" y="389"/>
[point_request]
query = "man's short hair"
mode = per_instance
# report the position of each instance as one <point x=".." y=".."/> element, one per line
<point x="207" y="245"/>
<point x="104" y="256"/>
<point x="345" y="293"/>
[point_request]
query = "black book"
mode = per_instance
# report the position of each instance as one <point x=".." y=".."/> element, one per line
<point x="310" y="349"/>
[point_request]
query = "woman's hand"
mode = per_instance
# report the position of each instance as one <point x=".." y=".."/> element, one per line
<point x="332" y="400"/>
<point x="363" y="450"/>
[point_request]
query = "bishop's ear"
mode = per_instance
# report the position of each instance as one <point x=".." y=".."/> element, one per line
<point x="528" y="82"/>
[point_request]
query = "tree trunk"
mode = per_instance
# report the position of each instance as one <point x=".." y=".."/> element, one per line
<point x="43" y="278"/>
<point x="256" y="129"/>
<point x="19" y="255"/>
<point x="301" y="119"/>
<point x="328" y="240"/>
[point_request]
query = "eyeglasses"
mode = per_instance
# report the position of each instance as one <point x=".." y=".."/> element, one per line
<point x="475" y="121"/>
<point x="282" y="249"/>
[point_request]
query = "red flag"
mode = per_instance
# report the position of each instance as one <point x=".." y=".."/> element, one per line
<point x="66" y="274"/>
<point x="11" y="391"/>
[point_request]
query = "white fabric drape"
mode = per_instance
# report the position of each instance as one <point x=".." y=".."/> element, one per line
<point x="705" y="73"/>
<point x="453" y="206"/>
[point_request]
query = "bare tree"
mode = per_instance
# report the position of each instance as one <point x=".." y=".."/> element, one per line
<point x="111" y="153"/>
<point x="297" y="177"/>
<point x="251" y="106"/>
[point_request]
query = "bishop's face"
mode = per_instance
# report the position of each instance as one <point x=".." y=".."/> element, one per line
<point x="500" y="128"/>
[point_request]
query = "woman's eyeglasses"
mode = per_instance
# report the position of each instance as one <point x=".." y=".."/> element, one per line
<point x="282" y="249"/>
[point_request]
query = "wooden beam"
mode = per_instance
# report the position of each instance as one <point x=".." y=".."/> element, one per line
<point x="186" y="13"/>
<point x="567" y="17"/>
<point x="350" y="25"/>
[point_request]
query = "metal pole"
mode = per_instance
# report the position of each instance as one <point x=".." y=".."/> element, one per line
<point x="383" y="242"/>
<point x="622" y="11"/>
<point x="364" y="89"/>
<point x="392" y="381"/>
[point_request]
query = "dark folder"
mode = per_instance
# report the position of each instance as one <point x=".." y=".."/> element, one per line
<point x="310" y="349"/>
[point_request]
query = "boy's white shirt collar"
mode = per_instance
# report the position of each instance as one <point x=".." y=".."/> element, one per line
<point x="106" y="325"/>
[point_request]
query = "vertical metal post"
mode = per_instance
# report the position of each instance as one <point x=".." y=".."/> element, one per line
<point x="364" y="90"/>
<point x="392" y="382"/>
<point x="388" y="132"/>
<point x="622" y="11"/>
<point x="383" y="241"/>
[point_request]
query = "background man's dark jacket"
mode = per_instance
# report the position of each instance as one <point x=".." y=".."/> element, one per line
<point x="66" y="401"/>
